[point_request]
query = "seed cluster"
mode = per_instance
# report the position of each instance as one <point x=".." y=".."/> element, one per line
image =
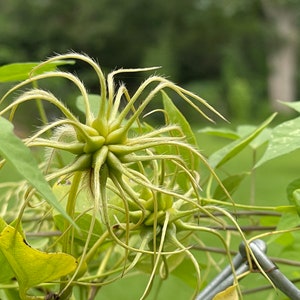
<point x="143" y="182"/>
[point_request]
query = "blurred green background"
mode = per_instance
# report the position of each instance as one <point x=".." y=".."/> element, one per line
<point x="240" y="55"/>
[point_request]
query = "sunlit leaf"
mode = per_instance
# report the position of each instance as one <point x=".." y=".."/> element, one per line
<point x="231" y="184"/>
<point x="229" y="294"/>
<point x="228" y="152"/>
<point x="6" y="273"/>
<point x="24" y="163"/>
<point x="285" y="138"/>
<point x="21" y="71"/>
<point x="30" y="266"/>
<point x="3" y="224"/>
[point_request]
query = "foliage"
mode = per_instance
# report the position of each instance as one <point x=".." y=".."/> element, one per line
<point x="113" y="196"/>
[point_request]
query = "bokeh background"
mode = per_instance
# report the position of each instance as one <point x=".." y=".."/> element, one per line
<point x="240" y="55"/>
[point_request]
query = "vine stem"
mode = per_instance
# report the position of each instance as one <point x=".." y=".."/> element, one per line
<point x="70" y="209"/>
<point x="40" y="106"/>
<point x="67" y="238"/>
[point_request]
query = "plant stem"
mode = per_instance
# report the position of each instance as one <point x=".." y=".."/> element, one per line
<point x="67" y="238"/>
<point x="252" y="178"/>
<point x="244" y="228"/>
<point x="40" y="107"/>
<point x="95" y="247"/>
<point x="70" y="209"/>
<point x="245" y="213"/>
<point x="282" y="208"/>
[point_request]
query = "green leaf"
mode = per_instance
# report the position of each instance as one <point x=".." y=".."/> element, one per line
<point x="231" y="184"/>
<point x="291" y="189"/>
<point x="285" y="138"/>
<point x="9" y="294"/>
<point x="94" y="101"/>
<point x="261" y="139"/>
<point x="220" y="132"/>
<point x="30" y="266"/>
<point x="24" y="163"/>
<point x="83" y="222"/>
<point x="229" y="294"/>
<point x="241" y="132"/>
<point x="21" y="71"/>
<point x="296" y="199"/>
<point x="228" y="152"/>
<point x="293" y="105"/>
<point x="6" y="274"/>
<point x="3" y="224"/>
<point x="287" y="221"/>
<point x="186" y="272"/>
<point x="174" y="116"/>
<point x="83" y="212"/>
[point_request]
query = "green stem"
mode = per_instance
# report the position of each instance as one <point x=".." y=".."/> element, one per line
<point x="67" y="238"/>
<point x="40" y="106"/>
<point x="95" y="247"/>
<point x="282" y="208"/>
<point x="252" y="187"/>
<point x="70" y="209"/>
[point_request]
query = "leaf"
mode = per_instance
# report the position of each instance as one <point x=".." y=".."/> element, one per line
<point x="296" y="199"/>
<point x="94" y="101"/>
<point x="83" y="212"/>
<point x="31" y="266"/>
<point x="6" y="273"/>
<point x="293" y="105"/>
<point x="285" y="138"/>
<point x="221" y="132"/>
<point x="174" y="116"/>
<point x="293" y="193"/>
<point x="24" y="163"/>
<point x="3" y="224"/>
<point x="231" y="184"/>
<point x="226" y="153"/>
<point x="21" y="71"/>
<point x="229" y="294"/>
<point x="261" y="139"/>
<point x="83" y="222"/>
<point x="185" y="271"/>
<point x="10" y="294"/>
<point x="287" y="221"/>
